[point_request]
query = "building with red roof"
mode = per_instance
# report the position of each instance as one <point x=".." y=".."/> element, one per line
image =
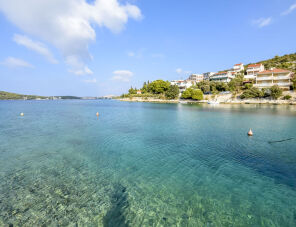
<point x="268" y="78"/>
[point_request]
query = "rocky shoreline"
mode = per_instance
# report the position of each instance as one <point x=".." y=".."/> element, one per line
<point x="223" y="99"/>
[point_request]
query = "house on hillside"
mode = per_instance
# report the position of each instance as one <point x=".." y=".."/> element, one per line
<point x="280" y="77"/>
<point x="225" y="77"/>
<point x="208" y="75"/>
<point x="196" y="77"/>
<point x="252" y="71"/>
<point x="238" y="67"/>
<point x="139" y="92"/>
<point x="183" y="84"/>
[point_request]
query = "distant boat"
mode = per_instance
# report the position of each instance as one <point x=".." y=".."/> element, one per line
<point x="213" y="102"/>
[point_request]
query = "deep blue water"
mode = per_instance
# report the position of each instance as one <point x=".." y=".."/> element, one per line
<point x="144" y="164"/>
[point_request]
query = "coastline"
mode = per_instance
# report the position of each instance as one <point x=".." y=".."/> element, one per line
<point x="220" y="99"/>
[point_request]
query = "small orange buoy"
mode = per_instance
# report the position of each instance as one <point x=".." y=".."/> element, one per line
<point x="97" y="114"/>
<point x="22" y="114"/>
<point x="250" y="133"/>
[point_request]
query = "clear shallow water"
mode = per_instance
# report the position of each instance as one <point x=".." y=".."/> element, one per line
<point x="143" y="164"/>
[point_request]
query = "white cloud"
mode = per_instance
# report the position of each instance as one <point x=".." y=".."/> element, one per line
<point x="290" y="10"/>
<point x="69" y="24"/>
<point x="179" y="70"/>
<point x="35" y="46"/>
<point x="91" y="81"/>
<point x="122" y="75"/>
<point x="262" y="22"/>
<point x="16" y="62"/>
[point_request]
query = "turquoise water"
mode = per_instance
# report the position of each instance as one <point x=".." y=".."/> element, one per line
<point x="144" y="164"/>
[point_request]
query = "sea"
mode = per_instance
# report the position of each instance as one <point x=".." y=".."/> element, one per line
<point x="146" y="164"/>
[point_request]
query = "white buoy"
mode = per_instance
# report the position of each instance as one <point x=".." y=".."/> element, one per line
<point x="22" y="114"/>
<point x="250" y="133"/>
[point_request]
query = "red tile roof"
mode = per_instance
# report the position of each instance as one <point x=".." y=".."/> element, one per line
<point x="254" y="65"/>
<point x="238" y="64"/>
<point x="275" y="71"/>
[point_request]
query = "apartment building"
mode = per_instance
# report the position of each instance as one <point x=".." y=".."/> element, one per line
<point x="225" y="77"/>
<point x="268" y="78"/>
<point x="252" y="70"/>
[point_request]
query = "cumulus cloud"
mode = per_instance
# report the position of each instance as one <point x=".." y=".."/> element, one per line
<point x="69" y="24"/>
<point x="122" y="75"/>
<point x="262" y="22"/>
<point x="16" y="62"/>
<point x="290" y="10"/>
<point x="35" y="46"/>
<point x="91" y="81"/>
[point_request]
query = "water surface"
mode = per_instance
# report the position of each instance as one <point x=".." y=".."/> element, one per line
<point x="143" y="164"/>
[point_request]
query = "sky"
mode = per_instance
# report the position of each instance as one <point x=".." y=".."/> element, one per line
<point x="103" y="47"/>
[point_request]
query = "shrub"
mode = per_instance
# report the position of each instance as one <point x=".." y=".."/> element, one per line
<point x="187" y="93"/>
<point x="196" y="94"/>
<point x="275" y="91"/>
<point x="253" y="92"/>
<point x="287" y="97"/>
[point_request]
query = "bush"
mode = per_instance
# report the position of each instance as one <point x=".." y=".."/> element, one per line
<point x="190" y="93"/>
<point x="186" y="94"/>
<point x="275" y="92"/>
<point x="287" y="97"/>
<point x="172" y="92"/>
<point x="197" y="94"/>
<point x="248" y="86"/>
<point x="253" y="92"/>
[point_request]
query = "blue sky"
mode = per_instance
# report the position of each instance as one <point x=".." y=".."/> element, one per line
<point x="103" y="47"/>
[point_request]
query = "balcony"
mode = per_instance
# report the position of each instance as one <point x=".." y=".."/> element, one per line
<point x="281" y="77"/>
<point x="264" y="78"/>
<point x="271" y="84"/>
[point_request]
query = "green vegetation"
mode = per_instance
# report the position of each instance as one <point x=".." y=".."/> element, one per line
<point x="287" y="97"/>
<point x="157" y="89"/>
<point x="13" y="96"/>
<point x="172" y="92"/>
<point x="192" y="93"/>
<point x="275" y="92"/>
<point x="287" y="61"/>
<point x="253" y="92"/>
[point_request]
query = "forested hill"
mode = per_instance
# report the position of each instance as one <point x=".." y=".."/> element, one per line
<point x="287" y="61"/>
<point x="13" y="96"/>
<point x="8" y="95"/>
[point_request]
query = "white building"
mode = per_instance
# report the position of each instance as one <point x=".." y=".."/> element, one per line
<point x="280" y="77"/>
<point x="252" y="71"/>
<point x="183" y="84"/>
<point x="225" y="77"/>
<point x="208" y="75"/>
<point x="238" y="67"/>
<point x="196" y="77"/>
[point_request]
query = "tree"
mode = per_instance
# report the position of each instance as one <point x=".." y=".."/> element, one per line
<point x="275" y="91"/>
<point x="132" y="91"/>
<point x="187" y="93"/>
<point x="172" y="92"/>
<point x="158" y="86"/>
<point x="204" y="86"/>
<point x="197" y="94"/>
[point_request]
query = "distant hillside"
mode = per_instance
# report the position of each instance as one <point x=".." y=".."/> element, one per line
<point x="287" y="61"/>
<point x="8" y="95"/>
<point x="13" y="96"/>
